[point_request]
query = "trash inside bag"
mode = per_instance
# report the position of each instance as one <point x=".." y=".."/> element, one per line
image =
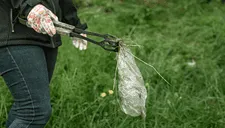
<point x="132" y="91"/>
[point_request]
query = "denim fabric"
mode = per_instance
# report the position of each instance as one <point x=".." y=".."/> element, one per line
<point x="27" y="71"/>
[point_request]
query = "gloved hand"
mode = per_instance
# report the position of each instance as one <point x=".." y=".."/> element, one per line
<point x="80" y="43"/>
<point x="41" y="20"/>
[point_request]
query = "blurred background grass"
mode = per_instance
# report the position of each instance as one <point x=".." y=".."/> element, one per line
<point x="184" y="40"/>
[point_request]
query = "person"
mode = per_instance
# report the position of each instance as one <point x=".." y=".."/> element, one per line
<point x="28" y="55"/>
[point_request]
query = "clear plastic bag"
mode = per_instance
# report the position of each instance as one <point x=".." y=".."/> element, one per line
<point x="132" y="91"/>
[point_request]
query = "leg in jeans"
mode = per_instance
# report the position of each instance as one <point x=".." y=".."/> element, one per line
<point x="25" y="72"/>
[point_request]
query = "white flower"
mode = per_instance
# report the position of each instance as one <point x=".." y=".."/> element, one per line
<point x="192" y="63"/>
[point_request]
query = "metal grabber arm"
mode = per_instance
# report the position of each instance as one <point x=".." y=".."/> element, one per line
<point x="109" y="42"/>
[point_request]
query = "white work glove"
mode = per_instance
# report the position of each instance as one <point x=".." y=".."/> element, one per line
<point x="80" y="43"/>
<point x="41" y="20"/>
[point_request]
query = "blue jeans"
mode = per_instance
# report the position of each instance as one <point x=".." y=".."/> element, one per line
<point x="27" y="71"/>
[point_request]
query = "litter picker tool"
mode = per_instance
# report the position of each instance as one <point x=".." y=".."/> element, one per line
<point x="108" y="42"/>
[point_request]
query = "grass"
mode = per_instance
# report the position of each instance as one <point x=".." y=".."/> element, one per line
<point x="170" y="34"/>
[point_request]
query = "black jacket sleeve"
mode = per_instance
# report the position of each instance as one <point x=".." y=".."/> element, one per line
<point x="24" y="6"/>
<point x="69" y="14"/>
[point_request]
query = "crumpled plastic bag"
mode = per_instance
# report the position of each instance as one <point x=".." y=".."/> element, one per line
<point x="132" y="91"/>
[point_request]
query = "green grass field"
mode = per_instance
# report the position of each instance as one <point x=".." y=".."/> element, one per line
<point x="171" y="35"/>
